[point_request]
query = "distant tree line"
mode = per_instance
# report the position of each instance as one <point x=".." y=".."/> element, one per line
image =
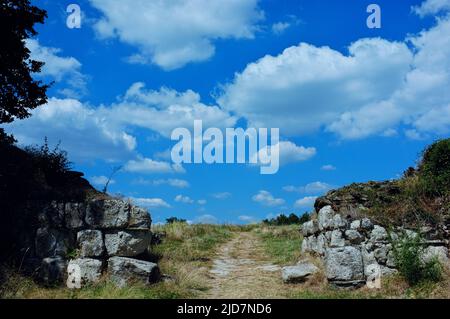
<point x="292" y="219"/>
<point x="173" y="220"/>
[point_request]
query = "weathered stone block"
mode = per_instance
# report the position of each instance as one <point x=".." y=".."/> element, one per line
<point x="124" y="271"/>
<point x="128" y="243"/>
<point x="139" y="218"/>
<point x="90" y="269"/>
<point x="344" y="265"/>
<point x="90" y="243"/>
<point x="107" y="214"/>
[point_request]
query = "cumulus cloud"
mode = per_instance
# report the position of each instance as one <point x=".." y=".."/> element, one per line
<point x="71" y="122"/>
<point x="202" y="202"/>
<point x="171" y="34"/>
<point x="431" y="7"/>
<point x="328" y="167"/>
<point x="311" y="188"/>
<point x="59" y="68"/>
<point x="305" y="202"/>
<point x="150" y="202"/>
<point x="287" y="152"/>
<point x="267" y="199"/>
<point x="109" y="127"/>
<point x="149" y="166"/>
<point x="376" y="88"/>
<point x="166" y="109"/>
<point x="184" y="199"/>
<point x="306" y="87"/>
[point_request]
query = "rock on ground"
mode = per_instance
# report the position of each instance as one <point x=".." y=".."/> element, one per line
<point x="123" y="271"/>
<point x="440" y="253"/>
<point x="299" y="272"/>
<point x="90" y="269"/>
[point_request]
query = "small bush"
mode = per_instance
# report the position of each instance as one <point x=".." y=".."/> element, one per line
<point x="53" y="164"/>
<point x="434" y="168"/>
<point x="408" y="252"/>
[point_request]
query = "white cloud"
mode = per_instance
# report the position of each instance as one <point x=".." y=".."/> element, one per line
<point x="267" y="199"/>
<point x="171" y="34"/>
<point x="101" y="180"/>
<point x="313" y="85"/>
<point x="206" y="219"/>
<point x="280" y="27"/>
<point x="150" y="202"/>
<point x="288" y="152"/>
<point x="328" y="167"/>
<point x="431" y="7"/>
<point x="202" y="201"/>
<point x="311" y="188"/>
<point x="305" y="202"/>
<point x="149" y="166"/>
<point x="166" y="109"/>
<point x="222" y="195"/>
<point x="184" y="199"/>
<point x="377" y="88"/>
<point x="59" y="68"/>
<point x="83" y="132"/>
<point x="105" y="132"/>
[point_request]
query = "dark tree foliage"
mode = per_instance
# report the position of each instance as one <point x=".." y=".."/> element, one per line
<point x="19" y="93"/>
<point x="173" y="220"/>
<point x="434" y="168"/>
<point x="292" y="219"/>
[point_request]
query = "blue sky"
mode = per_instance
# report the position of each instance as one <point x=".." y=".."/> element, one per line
<point x="353" y="104"/>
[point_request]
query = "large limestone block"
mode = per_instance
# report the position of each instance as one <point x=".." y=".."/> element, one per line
<point x="90" y="243"/>
<point x="325" y="218"/>
<point x="124" y="271"/>
<point x="74" y="215"/>
<point x="108" y="214"/>
<point x="90" y="270"/>
<point x="139" y="218"/>
<point x="128" y="243"/>
<point x="344" y="264"/>
<point x="310" y="228"/>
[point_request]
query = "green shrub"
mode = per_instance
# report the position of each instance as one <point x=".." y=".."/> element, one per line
<point x="53" y="164"/>
<point x="408" y="252"/>
<point x="292" y="219"/>
<point x="173" y="220"/>
<point x="434" y="168"/>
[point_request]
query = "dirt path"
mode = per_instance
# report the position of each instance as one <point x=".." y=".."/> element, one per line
<point x="241" y="269"/>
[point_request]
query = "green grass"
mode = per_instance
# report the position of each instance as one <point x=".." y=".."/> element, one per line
<point x="282" y="243"/>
